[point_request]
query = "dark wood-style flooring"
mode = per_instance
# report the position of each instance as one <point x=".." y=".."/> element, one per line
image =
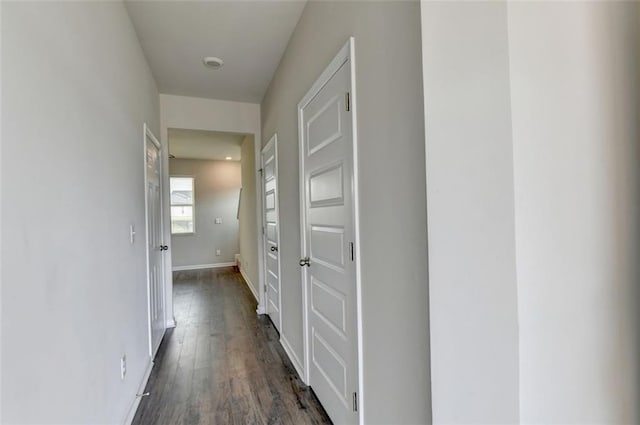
<point x="223" y="364"/>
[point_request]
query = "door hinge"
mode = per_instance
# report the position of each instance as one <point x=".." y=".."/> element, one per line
<point x="355" y="402"/>
<point x="347" y="101"/>
<point x="263" y="230"/>
<point x="351" y="251"/>
<point x="260" y="170"/>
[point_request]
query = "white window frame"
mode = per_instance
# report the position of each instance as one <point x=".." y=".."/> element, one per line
<point x="192" y="204"/>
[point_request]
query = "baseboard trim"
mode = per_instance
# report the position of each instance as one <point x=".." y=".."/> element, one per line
<point x="136" y="401"/>
<point x="250" y="285"/>
<point x="297" y="364"/>
<point x="203" y="266"/>
<point x="259" y="310"/>
<point x="171" y="323"/>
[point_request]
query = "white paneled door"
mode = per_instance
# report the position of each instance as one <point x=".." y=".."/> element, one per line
<point x="271" y="235"/>
<point x="155" y="247"/>
<point x="328" y="228"/>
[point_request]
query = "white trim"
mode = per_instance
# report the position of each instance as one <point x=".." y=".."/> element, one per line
<point x="250" y="285"/>
<point x="272" y="141"/>
<point x="166" y="225"/>
<point x="276" y="173"/>
<point x="203" y="266"/>
<point x="297" y="364"/>
<point x="1" y="204"/>
<point x="171" y="323"/>
<point x="356" y="229"/>
<point x="146" y="232"/>
<point x="347" y="53"/>
<point x="136" y="401"/>
<point x="148" y="135"/>
<point x="262" y="303"/>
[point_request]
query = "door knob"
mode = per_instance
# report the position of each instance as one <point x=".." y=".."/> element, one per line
<point x="305" y="262"/>
<point x="274" y="248"/>
<point x="163" y="247"/>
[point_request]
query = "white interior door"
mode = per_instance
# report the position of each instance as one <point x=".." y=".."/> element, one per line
<point x="155" y="247"/>
<point x="271" y="235"/>
<point x="328" y="227"/>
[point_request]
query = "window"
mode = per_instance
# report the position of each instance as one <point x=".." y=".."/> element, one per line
<point x="181" y="205"/>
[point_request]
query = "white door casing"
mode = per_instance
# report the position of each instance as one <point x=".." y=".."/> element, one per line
<point x="271" y="230"/>
<point x="154" y="239"/>
<point x="329" y="231"/>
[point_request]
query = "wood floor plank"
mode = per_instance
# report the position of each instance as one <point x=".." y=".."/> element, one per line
<point x="223" y="364"/>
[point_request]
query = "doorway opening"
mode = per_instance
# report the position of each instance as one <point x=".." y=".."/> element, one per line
<point x="212" y="202"/>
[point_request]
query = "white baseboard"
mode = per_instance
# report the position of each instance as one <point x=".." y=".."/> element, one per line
<point x="203" y="266"/>
<point x="136" y="400"/>
<point x="171" y="323"/>
<point x="297" y="364"/>
<point x="259" y="310"/>
<point x="249" y="284"/>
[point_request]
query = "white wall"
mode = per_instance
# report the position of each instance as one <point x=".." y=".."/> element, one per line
<point x="393" y="223"/>
<point x="576" y="137"/>
<point x="564" y="77"/>
<point x="216" y="189"/>
<point x="472" y="275"/>
<point x="1" y="209"/>
<point x="202" y="114"/>
<point x="249" y="232"/>
<point x="76" y="92"/>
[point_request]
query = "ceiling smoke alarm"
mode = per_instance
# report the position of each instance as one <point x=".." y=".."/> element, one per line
<point x="213" y="62"/>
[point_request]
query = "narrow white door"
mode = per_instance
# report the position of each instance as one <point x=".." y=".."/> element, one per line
<point x="271" y="235"/>
<point x="155" y="247"/>
<point x="328" y="230"/>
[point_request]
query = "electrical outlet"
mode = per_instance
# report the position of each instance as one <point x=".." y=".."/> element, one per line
<point x="217" y="252"/>
<point x="218" y="220"/>
<point x="123" y="367"/>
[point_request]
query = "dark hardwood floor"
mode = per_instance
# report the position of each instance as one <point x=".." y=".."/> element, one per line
<point x="223" y="364"/>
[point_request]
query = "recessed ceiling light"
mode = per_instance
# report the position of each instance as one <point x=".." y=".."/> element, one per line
<point x="213" y="62"/>
<point x="228" y="158"/>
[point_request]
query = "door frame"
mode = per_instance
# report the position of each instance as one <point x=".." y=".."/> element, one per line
<point x="147" y="134"/>
<point x="272" y="141"/>
<point x="346" y="53"/>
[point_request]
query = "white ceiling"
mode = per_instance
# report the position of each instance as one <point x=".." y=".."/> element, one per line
<point x="198" y="144"/>
<point x="250" y="36"/>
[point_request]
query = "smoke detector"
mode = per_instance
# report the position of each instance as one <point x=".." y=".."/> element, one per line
<point x="213" y="62"/>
